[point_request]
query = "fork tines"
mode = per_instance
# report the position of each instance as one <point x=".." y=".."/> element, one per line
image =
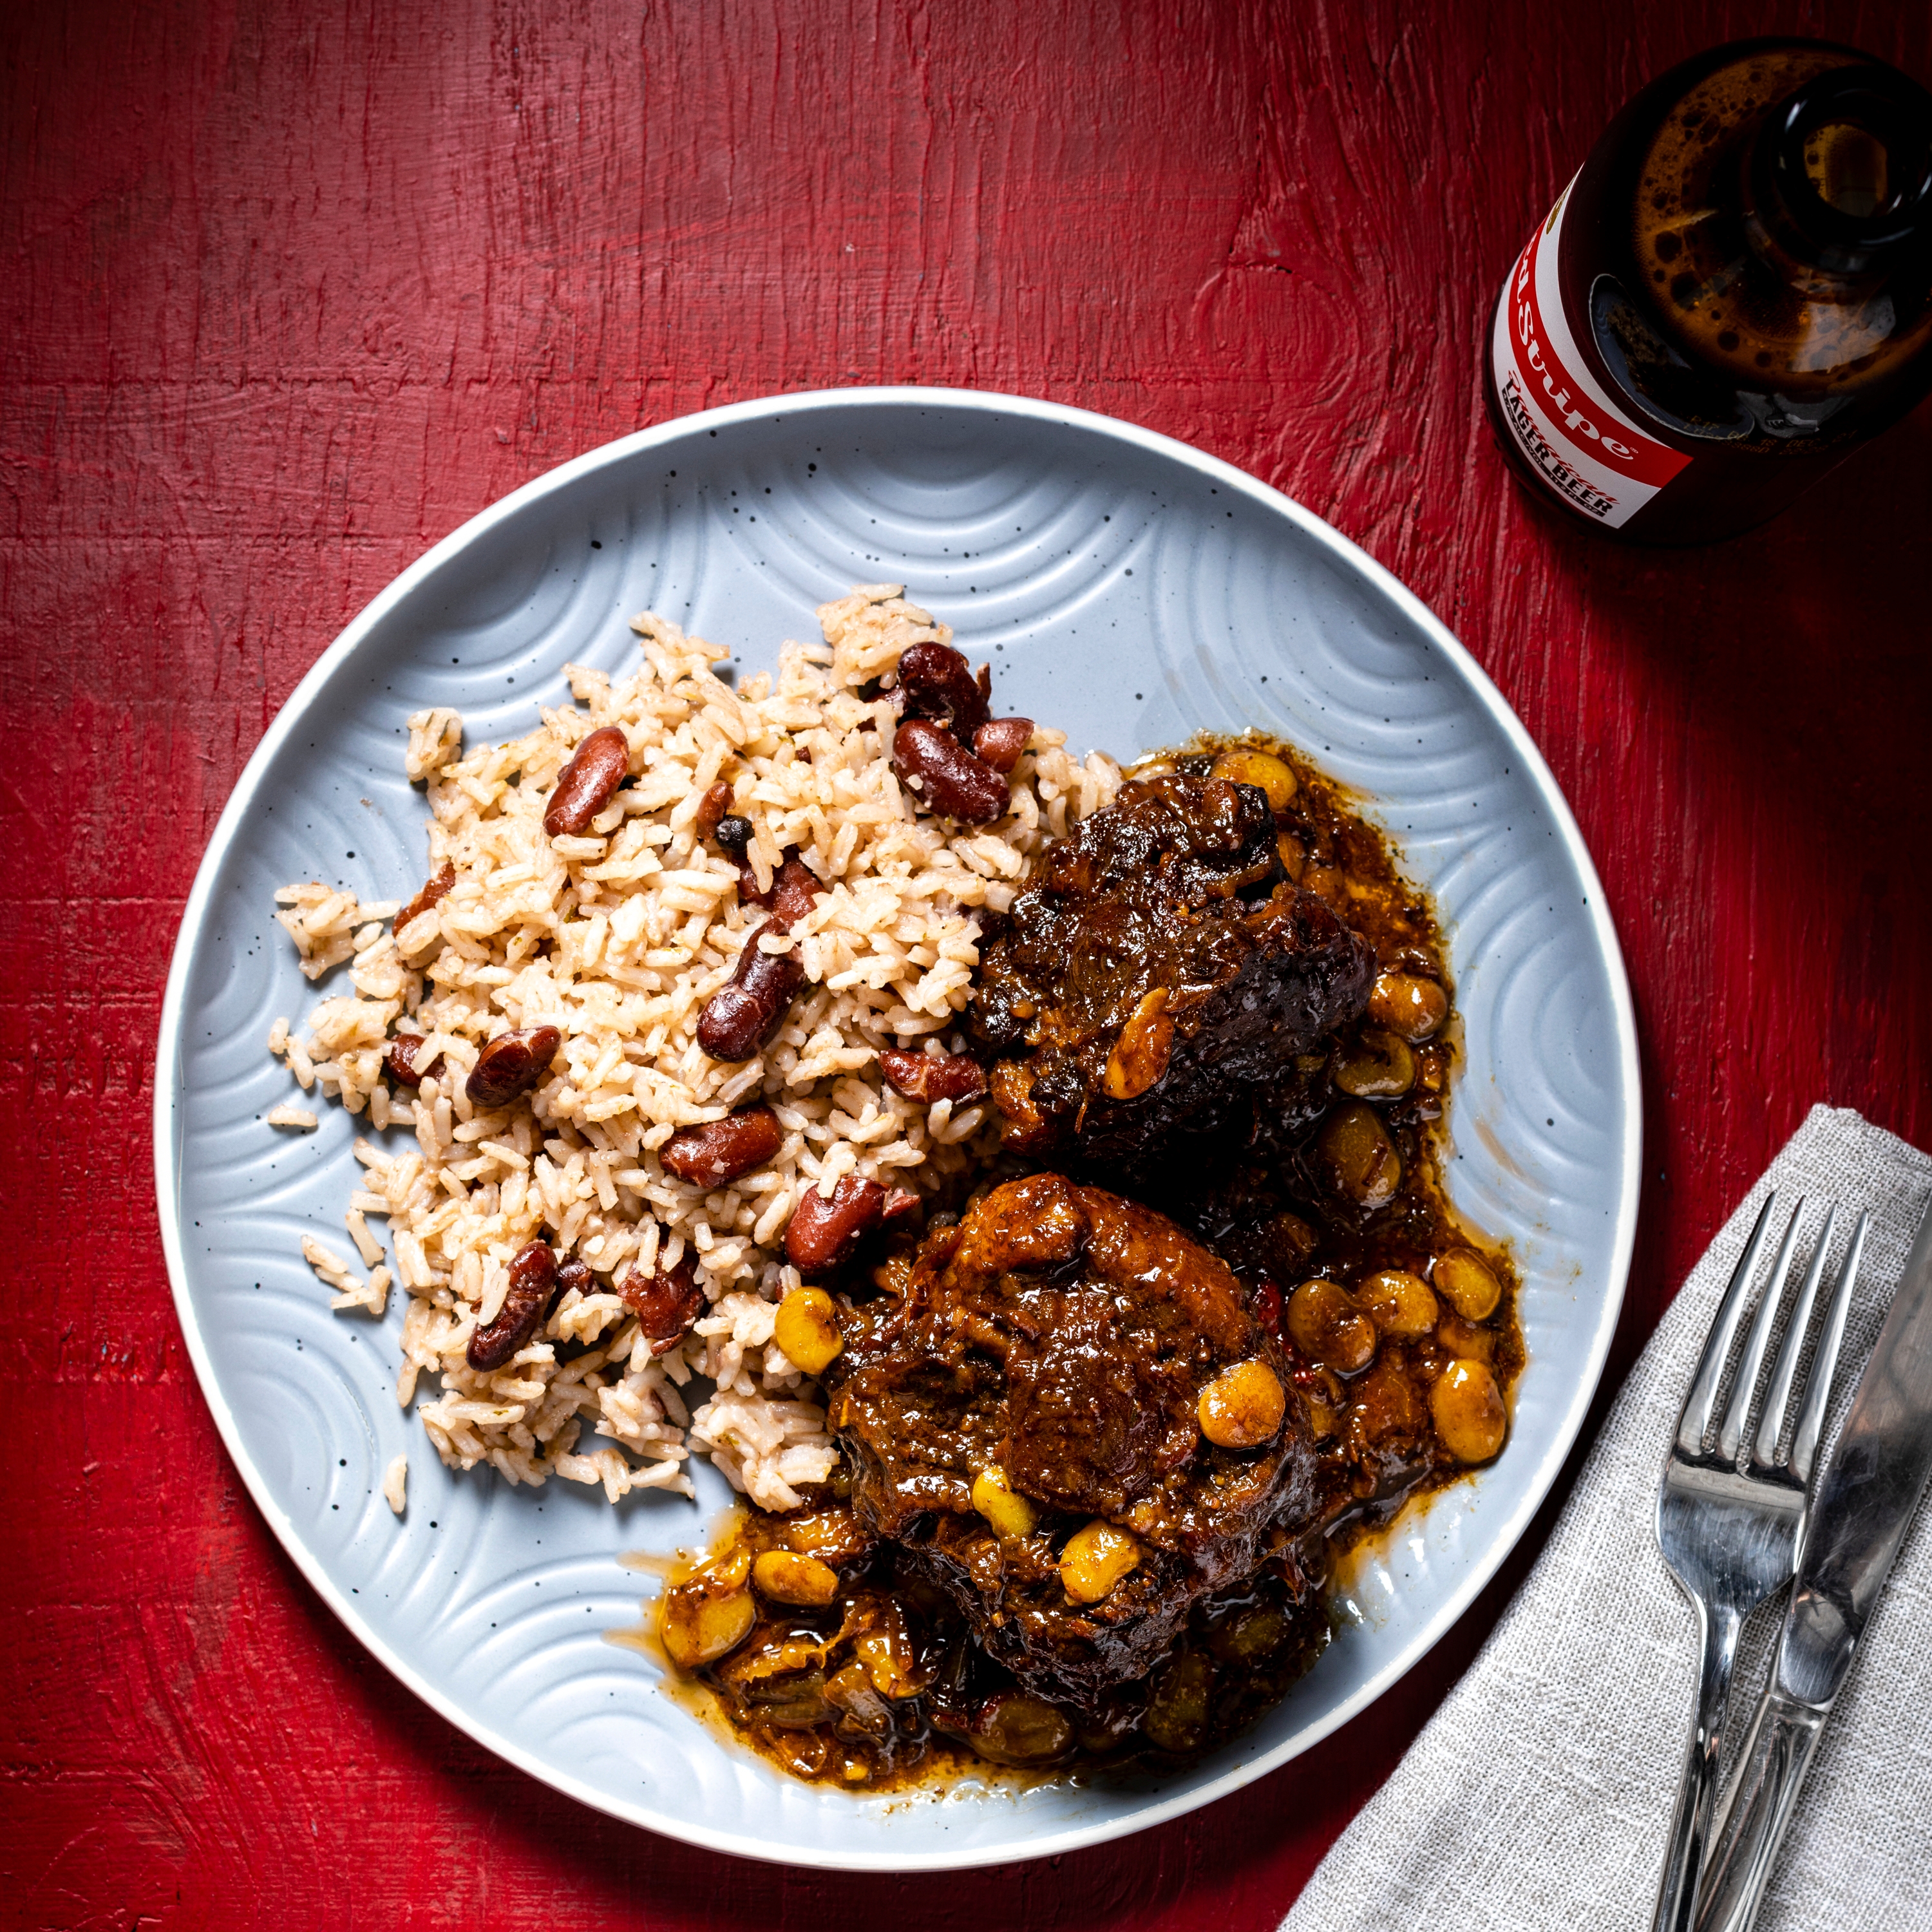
<point x="1700" y="1405"/>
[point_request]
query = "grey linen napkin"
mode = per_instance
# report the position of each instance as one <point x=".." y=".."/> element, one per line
<point x="1539" y="1796"/>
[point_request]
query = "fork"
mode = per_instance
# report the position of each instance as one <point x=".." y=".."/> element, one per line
<point x="1731" y="1537"/>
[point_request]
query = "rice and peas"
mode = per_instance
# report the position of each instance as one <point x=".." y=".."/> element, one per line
<point x="618" y="937"/>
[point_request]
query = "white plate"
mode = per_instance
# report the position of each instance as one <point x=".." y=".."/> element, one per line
<point x="1125" y="587"/>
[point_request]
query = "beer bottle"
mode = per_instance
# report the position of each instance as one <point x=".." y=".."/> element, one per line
<point x="1733" y="293"/>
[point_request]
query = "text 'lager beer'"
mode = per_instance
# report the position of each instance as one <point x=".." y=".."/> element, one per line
<point x="1731" y="295"/>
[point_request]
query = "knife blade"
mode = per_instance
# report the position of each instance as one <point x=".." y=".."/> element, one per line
<point x="1864" y="1503"/>
<point x="1868" y="1495"/>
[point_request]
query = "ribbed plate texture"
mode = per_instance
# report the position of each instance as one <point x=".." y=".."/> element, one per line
<point x="1125" y="588"/>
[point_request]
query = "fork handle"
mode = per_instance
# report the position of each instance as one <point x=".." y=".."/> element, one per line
<point x="1697" y="1788"/>
<point x="1777" y="1754"/>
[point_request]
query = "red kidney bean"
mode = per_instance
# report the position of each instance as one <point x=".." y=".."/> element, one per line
<point x="936" y="682"/>
<point x="897" y="1206"/>
<point x="1000" y="742"/>
<point x="532" y="1275"/>
<point x="792" y="892"/>
<point x="434" y="891"/>
<point x="744" y="1013"/>
<point x="512" y="1063"/>
<point x="666" y="1303"/>
<point x="954" y="1076"/>
<point x="572" y="1273"/>
<point x="952" y="781"/>
<point x="717" y="1151"/>
<point x="821" y="1234"/>
<point x="588" y="782"/>
<point x="401" y="1060"/>
<point x="711" y="809"/>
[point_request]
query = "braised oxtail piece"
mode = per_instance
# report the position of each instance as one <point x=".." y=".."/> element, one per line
<point x="1159" y="978"/>
<point x="1070" y="1423"/>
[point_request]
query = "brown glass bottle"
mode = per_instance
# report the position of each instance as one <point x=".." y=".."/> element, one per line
<point x="1733" y="294"/>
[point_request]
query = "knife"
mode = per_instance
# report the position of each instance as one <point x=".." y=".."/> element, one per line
<point x="1865" y="1502"/>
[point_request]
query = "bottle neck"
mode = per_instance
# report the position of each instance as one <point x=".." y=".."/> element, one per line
<point x="1838" y="182"/>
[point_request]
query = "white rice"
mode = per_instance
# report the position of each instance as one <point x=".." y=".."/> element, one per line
<point x="639" y="922"/>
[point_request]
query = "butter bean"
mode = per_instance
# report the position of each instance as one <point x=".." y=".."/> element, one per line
<point x="1468" y="1408"/>
<point x="806" y="1328"/>
<point x="1408" y="1004"/>
<point x="701" y="1625"/>
<point x="1398" y="1303"/>
<point x="1243" y="1406"/>
<point x="1010" y="1514"/>
<point x="1469" y="1283"/>
<point x="786" y="1578"/>
<point x="1324" y="1323"/>
<point x="1011" y="1727"/>
<point x="1177" y="1713"/>
<point x="1262" y="769"/>
<point x="1379" y="1066"/>
<point x="1095" y="1559"/>
<point x="1358" y="1160"/>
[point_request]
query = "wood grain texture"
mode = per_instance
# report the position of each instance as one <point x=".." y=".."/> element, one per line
<point x="290" y="291"/>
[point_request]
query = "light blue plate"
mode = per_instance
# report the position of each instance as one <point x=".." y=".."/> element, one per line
<point x="1125" y="587"/>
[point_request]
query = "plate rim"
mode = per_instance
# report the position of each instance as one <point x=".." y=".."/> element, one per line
<point x="1348" y="555"/>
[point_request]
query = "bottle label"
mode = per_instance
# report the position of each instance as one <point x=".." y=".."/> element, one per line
<point x="1586" y="449"/>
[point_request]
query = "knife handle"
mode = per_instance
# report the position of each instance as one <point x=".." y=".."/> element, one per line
<point x="1778" y="1752"/>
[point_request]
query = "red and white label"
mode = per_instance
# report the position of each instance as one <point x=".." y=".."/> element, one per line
<point x="1585" y="448"/>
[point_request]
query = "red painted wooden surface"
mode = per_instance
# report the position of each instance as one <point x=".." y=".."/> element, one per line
<point x="287" y="292"/>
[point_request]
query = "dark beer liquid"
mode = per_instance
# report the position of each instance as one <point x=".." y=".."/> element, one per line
<point x="1738" y="294"/>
